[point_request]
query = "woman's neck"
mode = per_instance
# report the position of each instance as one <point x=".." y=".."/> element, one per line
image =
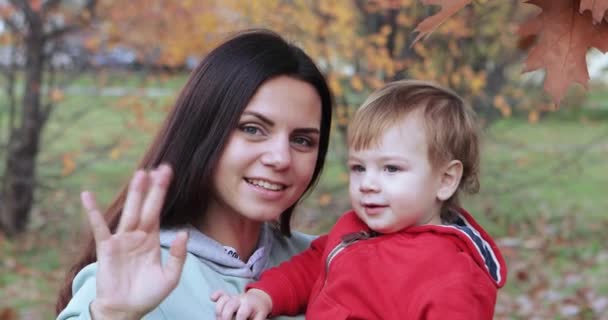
<point x="233" y="230"/>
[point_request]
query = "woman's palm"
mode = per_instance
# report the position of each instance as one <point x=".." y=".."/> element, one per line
<point x="131" y="278"/>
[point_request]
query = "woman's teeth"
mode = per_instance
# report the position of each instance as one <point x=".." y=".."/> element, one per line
<point x="265" y="184"/>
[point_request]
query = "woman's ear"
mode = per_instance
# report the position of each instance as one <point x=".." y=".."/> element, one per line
<point x="449" y="180"/>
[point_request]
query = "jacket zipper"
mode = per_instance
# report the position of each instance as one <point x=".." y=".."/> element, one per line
<point x="347" y="240"/>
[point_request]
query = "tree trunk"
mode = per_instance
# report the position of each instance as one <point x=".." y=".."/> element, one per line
<point x="17" y="195"/>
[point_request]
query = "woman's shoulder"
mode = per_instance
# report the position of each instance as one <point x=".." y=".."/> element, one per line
<point x="283" y="247"/>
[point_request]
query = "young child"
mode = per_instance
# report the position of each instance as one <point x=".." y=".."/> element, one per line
<point x="407" y="250"/>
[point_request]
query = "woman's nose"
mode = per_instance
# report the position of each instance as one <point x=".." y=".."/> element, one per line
<point x="278" y="154"/>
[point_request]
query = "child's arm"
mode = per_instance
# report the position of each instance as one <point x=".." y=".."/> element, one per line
<point x="289" y="285"/>
<point x="459" y="298"/>
<point x="255" y="304"/>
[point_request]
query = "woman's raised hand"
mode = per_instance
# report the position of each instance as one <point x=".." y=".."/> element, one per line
<point x="131" y="279"/>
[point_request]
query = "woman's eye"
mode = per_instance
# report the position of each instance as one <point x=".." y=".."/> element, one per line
<point x="251" y="130"/>
<point x="302" y="141"/>
<point x="390" y="168"/>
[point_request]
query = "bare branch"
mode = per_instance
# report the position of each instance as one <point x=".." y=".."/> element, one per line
<point x="57" y="33"/>
<point x="49" y="5"/>
<point x="13" y="26"/>
<point x="25" y="7"/>
<point x="83" y="19"/>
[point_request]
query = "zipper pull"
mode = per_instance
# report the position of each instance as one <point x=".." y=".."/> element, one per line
<point x="355" y="236"/>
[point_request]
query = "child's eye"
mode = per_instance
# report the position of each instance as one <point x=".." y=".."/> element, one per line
<point x="357" y="168"/>
<point x="391" y="168"/>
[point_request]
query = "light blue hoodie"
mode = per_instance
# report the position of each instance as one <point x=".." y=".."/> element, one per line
<point x="207" y="269"/>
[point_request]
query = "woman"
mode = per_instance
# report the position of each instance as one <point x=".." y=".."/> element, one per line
<point x="246" y="139"/>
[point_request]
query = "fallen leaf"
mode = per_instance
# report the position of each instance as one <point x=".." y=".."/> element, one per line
<point x="8" y="314"/>
<point x="448" y="9"/>
<point x="325" y="199"/>
<point x="564" y="37"/>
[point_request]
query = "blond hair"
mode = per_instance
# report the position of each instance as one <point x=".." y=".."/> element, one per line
<point x="451" y="127"/>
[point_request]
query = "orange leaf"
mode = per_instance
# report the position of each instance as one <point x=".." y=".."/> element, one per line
<point x="57" y="95"/>
<point x="69" y="165"/>
<point x="533" y="116"/>
<point x="597" y="7"/>
<point x="356" y="83"/>
<point x="564" y="36"/>
<point x="8" y="314"/>
<point x="325" y="199"/>
<point x="448" y="9"/>
<point x="35" y="5"/>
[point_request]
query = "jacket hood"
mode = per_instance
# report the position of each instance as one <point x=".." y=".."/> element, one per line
<point x="479" y="245"/>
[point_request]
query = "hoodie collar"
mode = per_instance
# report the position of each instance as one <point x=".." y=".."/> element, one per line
<point x="213" y="253"/>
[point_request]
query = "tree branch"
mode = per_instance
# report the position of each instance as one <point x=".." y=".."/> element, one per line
<point x="25" y="8"/>
<point x="49" y="5"/>
<point x="13" y="26"/>
<point x="88" y="8"/>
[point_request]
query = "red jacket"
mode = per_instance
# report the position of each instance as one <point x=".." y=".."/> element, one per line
<point x="422" y="272"/>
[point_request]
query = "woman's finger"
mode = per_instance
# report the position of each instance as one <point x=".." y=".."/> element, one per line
<point x="153" y="203"/>
<point x="216" y="295"/>
<point x="97" y="222"/>
<point x="177" y="257"/>
<point x="132" y="207"/>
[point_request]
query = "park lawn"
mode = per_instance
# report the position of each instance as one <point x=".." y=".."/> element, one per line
<point x="542" y="197"/>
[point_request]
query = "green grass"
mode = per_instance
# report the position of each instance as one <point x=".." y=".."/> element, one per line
<point x="541" y="183"/>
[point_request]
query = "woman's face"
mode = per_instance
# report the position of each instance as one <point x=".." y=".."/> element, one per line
<point x="270" y="157"/>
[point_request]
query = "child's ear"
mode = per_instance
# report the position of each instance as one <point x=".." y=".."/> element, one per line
<point x="450" y="179"/>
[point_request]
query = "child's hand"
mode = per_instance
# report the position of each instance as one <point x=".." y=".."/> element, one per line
<point x="255" y="304"/>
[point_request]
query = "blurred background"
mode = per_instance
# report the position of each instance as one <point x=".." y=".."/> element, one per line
<point x="84" y="85"/>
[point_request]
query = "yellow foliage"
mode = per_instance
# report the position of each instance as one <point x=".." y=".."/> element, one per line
<point x="335" y="85"/>
<point x="478" y="83"/>
<point x="501" y="104"/>
<point x="404" y="20"/>
<point x="455" y="79"/>
<point x="453" y="47"/>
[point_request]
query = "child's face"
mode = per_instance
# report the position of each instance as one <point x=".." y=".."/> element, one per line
<point x="393" y="185"/>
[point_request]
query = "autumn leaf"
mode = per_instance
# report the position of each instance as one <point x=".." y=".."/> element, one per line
<point x="57" y="95"/>
<point x="69" y="164"/>
<point x="356" y="83"/>
<point x="598" y="9"/>
<point x="8" y="314"/>
<point x="325" y="199"/>
<point x="35" y="5"/>
<point x="564" y="37"/>
<point x="448" y="9"/>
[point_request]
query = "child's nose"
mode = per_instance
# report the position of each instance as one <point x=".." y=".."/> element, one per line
<point x="369" y="183"/>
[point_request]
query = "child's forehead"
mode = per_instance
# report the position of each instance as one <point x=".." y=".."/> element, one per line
<point x="407" y="134"/>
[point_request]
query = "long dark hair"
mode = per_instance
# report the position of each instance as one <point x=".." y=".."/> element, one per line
<point x="196" y="130"/>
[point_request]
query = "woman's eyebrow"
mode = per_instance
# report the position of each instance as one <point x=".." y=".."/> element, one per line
<point x="260" y="116"/>
<point x="308" y="131"/>
<point x="271" y="123"/>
